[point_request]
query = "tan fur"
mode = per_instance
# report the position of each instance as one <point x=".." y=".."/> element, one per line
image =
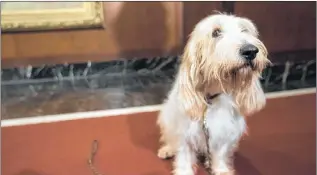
<point x="199" y="70"/>
<point x="191" y="81"/>
<point x="212" y="64"/>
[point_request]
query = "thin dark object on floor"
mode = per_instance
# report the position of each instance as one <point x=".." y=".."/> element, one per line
<point x="91" y="158"/>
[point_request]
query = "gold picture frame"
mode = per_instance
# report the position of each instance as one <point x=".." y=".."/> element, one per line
<point x="65" y="15"/>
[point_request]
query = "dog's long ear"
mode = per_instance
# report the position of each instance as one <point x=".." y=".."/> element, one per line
<point x="252" y="100"/>
<point x="190" y="80"/>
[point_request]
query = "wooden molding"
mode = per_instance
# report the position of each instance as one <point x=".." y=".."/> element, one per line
<point x="90" y="14"/>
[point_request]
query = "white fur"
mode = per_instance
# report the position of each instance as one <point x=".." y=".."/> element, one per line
<point x="183" y="136"/>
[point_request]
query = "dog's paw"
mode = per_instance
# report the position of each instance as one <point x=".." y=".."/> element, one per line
<point x="224" y="173"/>
<point x="184" y="172"/>
<point x="165" y="152"/>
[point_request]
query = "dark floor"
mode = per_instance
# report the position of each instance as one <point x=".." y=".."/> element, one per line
<point x="38" y="91"/>
<point x="281" y="141"/>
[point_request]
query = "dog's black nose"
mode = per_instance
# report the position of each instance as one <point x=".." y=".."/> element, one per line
<point x="248" y="51"/>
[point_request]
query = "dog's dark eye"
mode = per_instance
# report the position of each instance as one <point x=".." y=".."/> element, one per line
<point x="216" y="33"/>
<point x="244" y="30"/>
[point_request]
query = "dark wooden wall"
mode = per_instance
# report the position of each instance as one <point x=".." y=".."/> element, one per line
<point x="132" y="29"/>
<point x="145" y="29"/>
<point x="283" y="26"/>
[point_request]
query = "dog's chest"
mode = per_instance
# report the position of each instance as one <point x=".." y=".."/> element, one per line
<point x="223" y="124"/>
<point x="195" y="136"/>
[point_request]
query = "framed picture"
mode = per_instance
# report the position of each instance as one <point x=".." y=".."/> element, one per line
<point x="50" y="15"/>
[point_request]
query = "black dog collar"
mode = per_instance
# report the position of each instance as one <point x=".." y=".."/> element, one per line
<point x="210" y="97"/>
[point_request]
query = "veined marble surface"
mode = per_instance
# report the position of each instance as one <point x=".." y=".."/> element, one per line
<point x="68" y="88"/>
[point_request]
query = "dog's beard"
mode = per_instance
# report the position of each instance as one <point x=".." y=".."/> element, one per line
<point x="239" y="80"/>
<point x="232" y="78"/>
<point x="233" y="75"/>
<point x="245" y="66"/>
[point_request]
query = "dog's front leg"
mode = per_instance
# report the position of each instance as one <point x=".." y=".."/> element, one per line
<point x="221" y="160"/>
<point x="185" y="161"/>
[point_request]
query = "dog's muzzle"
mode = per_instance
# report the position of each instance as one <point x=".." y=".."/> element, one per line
<point x="247" y="64"/>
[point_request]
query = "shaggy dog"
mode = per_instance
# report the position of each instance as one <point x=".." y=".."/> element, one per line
<point x="216" y="86"/>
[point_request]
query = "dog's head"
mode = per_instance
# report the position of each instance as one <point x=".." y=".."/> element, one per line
<point x="223" y="52"/>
